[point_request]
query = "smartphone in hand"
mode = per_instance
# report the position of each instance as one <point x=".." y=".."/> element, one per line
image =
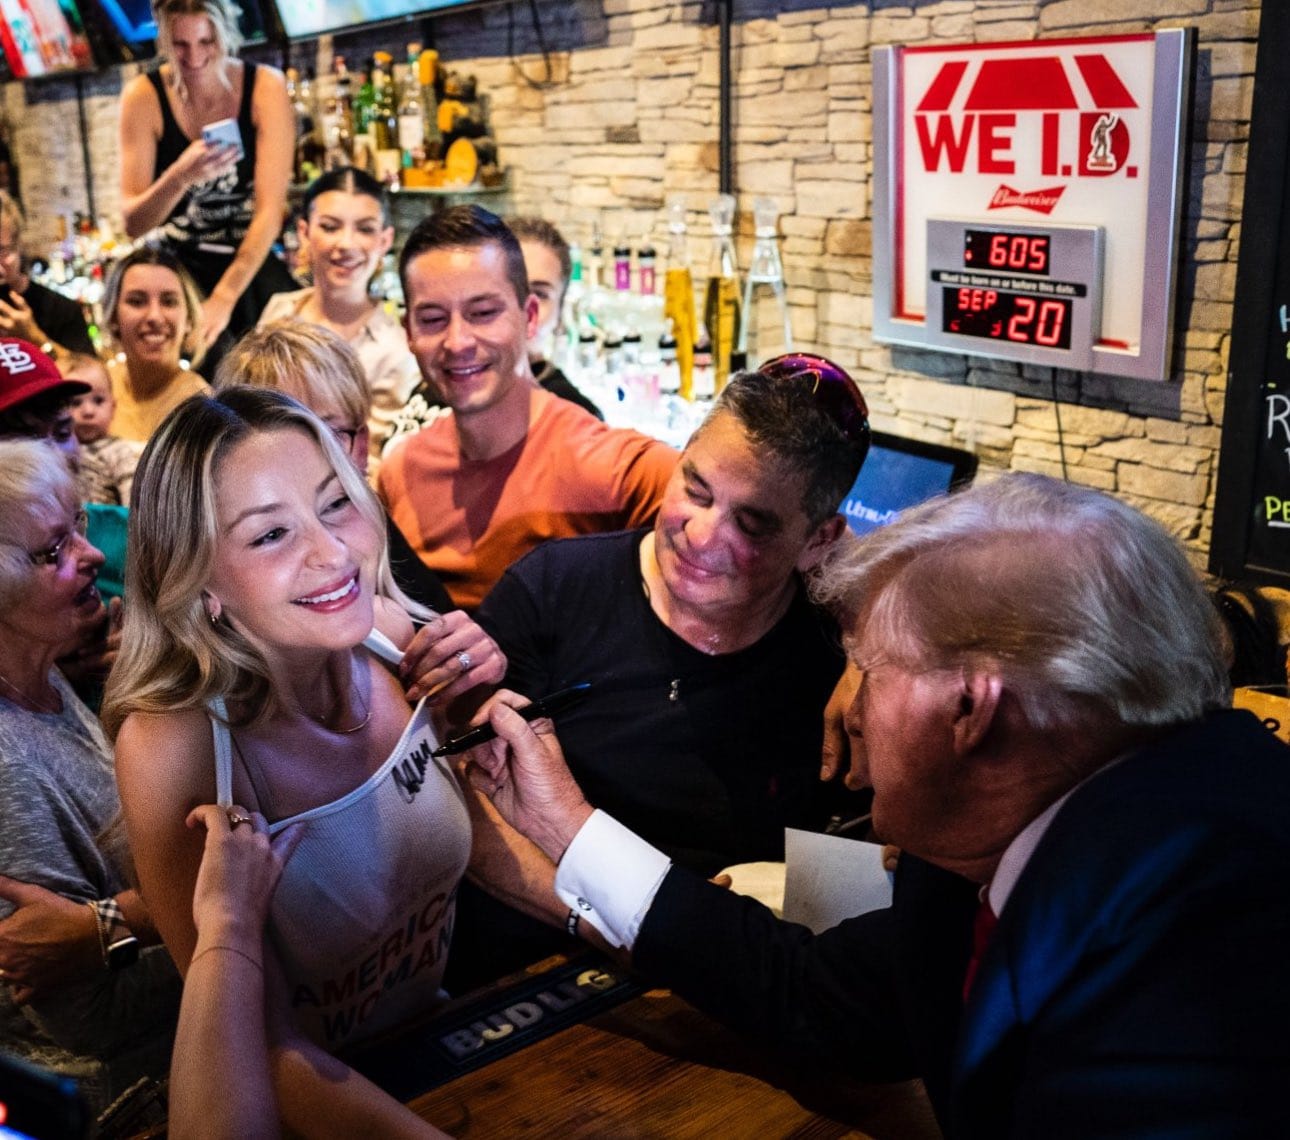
<point x="224" y="132"/>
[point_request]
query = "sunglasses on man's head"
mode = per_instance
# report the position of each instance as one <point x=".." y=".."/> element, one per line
<point x="834" y="391"/>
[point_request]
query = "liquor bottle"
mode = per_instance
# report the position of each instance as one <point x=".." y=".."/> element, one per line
<point x="704" y="383"/>
<point x="589" y="365"/>
<point x="614" y="364"/>
<point x="622" y="267"/>
<point x="411" y="118"/>
<point x="428" y="75"/>
<point x="678" y="295"/>
<point x="647" y="304"/>
<point x="305" y="96"/>
<point x="592" y="307"/>
<point x="388" y="289"/>
<point x="620" y="310"/>
<point x="566" y="343"/>
<point x="765" y="311"/>
<point x="385" y="117"/>
<point x="645" y="260"/>
<point x="364" y="105"/>
<point x="721" y="298"/>
<point x="311" y="150"/>
<point x="338" y="119"/>
<point x="669" y="375"/>
<point x="293" y="95"/>
<point x="308" y="162"/>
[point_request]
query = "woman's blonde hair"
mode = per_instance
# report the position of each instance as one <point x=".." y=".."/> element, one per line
<point x="193" y="347"/>
<point x="172" y="655"/>
<point x="223" y="15"/>
<point x="32" y="475"/>
<point x="306" y="361"/>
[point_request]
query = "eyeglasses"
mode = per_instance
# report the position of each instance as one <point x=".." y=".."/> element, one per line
<point x="836" y="394"/>
<point x="56" y="555"/>
<point x="345" y="435"/>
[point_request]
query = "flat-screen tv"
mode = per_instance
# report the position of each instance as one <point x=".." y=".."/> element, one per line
<point x="43" y="37"/>
<point x="900" y="473"/>
<point x="131" y="24"/>
<point x="314" y="17"/>
<point x="132" y="20"/>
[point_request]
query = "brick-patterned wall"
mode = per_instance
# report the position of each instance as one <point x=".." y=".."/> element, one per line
<point x="630" y="117"/>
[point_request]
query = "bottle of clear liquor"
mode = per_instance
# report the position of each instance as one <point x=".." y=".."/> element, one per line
<point x="765" y="330"/>
<point x="338" y="119"/>
<point x="412" y="140"/>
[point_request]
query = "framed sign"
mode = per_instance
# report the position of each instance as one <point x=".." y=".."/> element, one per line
<point x="1072" y="146"/>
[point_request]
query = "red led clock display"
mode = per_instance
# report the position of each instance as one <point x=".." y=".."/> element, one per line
<point x="1005" y="252"/>
<point x="1016" y="317"/>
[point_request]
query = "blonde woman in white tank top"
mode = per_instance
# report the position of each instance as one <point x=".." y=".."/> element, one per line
<point x="256" y="672"/>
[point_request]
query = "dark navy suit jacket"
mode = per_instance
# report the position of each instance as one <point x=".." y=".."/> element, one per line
<point x="1138" y="983"/>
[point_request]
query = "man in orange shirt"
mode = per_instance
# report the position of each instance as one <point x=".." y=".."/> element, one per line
<point x="511" y="465"/>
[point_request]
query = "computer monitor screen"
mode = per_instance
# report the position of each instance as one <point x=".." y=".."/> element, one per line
<point x="900" y="473"/>
<point x="314" y="17"/>
<point x="43" y="37"/>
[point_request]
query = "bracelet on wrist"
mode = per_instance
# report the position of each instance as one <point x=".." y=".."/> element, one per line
<point x="571" y="922"/>
<point x="117" y="943"/>
<point x="231" y="949"/>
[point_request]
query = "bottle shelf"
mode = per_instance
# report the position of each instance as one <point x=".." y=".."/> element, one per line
<point x="466" y="190"/>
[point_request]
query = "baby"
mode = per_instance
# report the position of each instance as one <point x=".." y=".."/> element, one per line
<point x="107" y="461"/>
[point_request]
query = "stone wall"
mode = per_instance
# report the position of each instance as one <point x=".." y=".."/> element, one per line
<point x="622" y="113"/>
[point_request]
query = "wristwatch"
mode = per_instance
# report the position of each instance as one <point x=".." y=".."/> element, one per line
<point x="117" y="942"/>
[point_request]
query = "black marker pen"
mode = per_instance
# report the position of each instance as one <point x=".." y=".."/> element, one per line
<point x="543" y="706"/>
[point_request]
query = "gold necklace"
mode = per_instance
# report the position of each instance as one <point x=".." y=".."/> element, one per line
<point x="362" y="724"/>
<point x="34" y="704"/>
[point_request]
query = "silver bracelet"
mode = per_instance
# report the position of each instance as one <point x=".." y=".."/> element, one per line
<point x="571" y="922"/>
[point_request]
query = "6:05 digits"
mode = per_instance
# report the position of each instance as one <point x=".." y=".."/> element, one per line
<point x="992" y="249"/>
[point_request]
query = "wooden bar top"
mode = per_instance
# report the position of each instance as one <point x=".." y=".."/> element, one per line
<point x="656" y="1067"/>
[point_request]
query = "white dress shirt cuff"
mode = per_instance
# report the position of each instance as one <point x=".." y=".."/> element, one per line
<point x="609" y="876"/>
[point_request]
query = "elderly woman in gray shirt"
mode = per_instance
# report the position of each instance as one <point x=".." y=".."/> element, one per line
<point x="80" y="994"/>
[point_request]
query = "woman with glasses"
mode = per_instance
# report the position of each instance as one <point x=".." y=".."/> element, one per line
<point x="35" y="403"/>
<point x="76" y="994"/>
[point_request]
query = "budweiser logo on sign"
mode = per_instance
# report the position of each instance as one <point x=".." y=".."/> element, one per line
<point x="1041" y="201"/>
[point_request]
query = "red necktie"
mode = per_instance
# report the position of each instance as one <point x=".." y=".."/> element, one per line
<point x="982" y="931"/>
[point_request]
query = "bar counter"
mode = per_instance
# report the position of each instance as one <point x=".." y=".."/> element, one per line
<point x="536" y="1059"/>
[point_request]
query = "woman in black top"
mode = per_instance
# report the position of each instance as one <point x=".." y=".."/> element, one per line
<point x="220" y="209"/>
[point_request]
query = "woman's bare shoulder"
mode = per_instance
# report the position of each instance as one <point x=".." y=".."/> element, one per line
<point x="143" y="736"/>
<point x="269" y="82"/>
<point x="139" y="93"/>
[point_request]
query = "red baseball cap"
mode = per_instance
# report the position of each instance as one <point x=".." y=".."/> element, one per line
<point x="26" y="372"/>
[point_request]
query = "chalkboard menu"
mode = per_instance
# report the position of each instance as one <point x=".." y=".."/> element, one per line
<point x="1252" y="507"/>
